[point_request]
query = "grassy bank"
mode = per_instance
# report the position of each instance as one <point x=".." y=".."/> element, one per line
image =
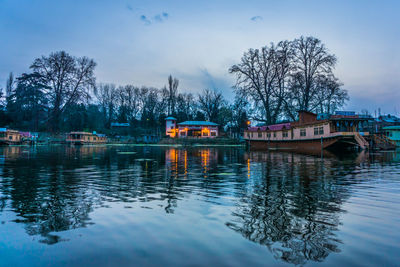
<point x="220" y="141"/>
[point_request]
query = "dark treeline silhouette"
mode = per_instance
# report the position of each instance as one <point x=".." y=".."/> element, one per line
<point x="60" y="93"/>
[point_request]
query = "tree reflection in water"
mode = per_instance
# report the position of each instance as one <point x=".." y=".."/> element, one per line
<point x="290" y="203"/>
<point x="292" y="206"/>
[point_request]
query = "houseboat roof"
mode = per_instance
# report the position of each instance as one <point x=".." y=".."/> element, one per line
<point x="349" y="117"/>
<point x="120" y="124"/>
<point x="80" y="133"/>
<point x="391" y="127"/>
<point x="273" y="127"/>
<point x="193" y="123"/>
<point x="388" y="118"/>
<point x="170" y="118"/>
<point x="8" y="130"/>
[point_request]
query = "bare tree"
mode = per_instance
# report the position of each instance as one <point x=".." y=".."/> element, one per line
<point x="107" y="97"/>
<point x="172" y="94"/>
<point x="330" y="95"/>
<point x="128" y="99"/>
<point x="211" y="102"/>
<point x="261" y="77"/>
<point x="293" y="75"/>
<point x="69" y="78"/>
<point x="10" y="84"/>
<point x="185" y="106"/>
<point x="312" y="63"/>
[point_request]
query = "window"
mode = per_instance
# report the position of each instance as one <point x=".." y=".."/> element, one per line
<point x="94" y="138"/>
<point x="213" y="134"/>
<point x="274" y="134"/>
<point x="183" y="133"/>
<point x="10" y="137"/>
<point x="205" y="133"/>
<point x="321" y="130"/>
<point x="268" y="135"/>
<point x="172" y="127"/>
<point x="302" y="132"/>
<point x="285" y="134"/>
<point x="259" y="134"/>
<point x="316" y="131"/>
<point x="251" y="135"/>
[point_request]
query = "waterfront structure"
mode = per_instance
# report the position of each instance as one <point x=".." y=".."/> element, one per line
<point x="197" y="129"/>
<point x="120" y="124"/>
<point x="82" y="138"/>
<point x="393" y="133"/>
<point x="9" y="137"/>
<point x="311" y="133"/>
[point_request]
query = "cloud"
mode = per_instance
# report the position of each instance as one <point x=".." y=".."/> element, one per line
<point x="158" y="18"/>
<point x="256" y="18"/>
<point x="145" y="20"/>
<point x="129" y="7"/>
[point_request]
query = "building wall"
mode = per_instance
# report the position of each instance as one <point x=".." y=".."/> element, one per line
<point x="279" y="135"/>
<point x="182" y="130"/>
<point x="170" y="126"/>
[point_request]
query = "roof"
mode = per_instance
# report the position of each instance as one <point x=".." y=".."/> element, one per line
<point x="120" y="124"/>
<point x="170" y="118"/>
<point x="274" y="127"/>
<point x="81" y="133"/>
<point x="193" y="123"/>
<point x="391" y="127"/>
<point x="306" y="111"/>
<point x="388" y="118"/>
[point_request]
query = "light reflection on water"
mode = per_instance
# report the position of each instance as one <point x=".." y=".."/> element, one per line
<point x="107" y="205"/>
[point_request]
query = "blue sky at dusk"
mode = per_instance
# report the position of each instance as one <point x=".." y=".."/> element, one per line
<point x="142" y="42"/>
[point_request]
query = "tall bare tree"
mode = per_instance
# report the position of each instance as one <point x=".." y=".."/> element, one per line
<point x="261" y="76"/>
<point x="172" y="94"/>
<point x="312" y="63"/>
<point x="69" y="78"/>
<point x="10" y="84"/>
<point x="278" y="80"/>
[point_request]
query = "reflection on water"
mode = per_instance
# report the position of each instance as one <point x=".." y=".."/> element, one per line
<point x="292" y="205"/>
<point x="294" y="209"/>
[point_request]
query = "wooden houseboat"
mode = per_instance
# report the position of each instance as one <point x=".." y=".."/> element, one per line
<point x="311" y="133"/>
<point x="84" y="138"/>
<point x="9" y="137"/>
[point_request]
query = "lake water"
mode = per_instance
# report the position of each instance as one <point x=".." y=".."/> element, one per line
<point x="168" y="206"/>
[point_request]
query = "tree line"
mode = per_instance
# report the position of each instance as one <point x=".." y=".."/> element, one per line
<point x="60" y="93"/>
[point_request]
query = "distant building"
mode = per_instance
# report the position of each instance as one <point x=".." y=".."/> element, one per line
<point x="198" y="129"/>
<point x="81" y="138"/>
<point x="8" y="136"/>
<point x="385" y="121"/>
<point x="120" y="124"/>
<point x="393" y="133"/>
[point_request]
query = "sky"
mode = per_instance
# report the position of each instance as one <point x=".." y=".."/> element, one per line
<point x="142" y="42"/>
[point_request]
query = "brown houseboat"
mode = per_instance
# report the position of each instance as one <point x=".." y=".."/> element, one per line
<point x="9" y="137"/>
<point x="311" y="133"/>
<point x="84" y="138"/>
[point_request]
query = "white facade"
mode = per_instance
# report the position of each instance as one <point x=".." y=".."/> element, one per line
<point x="170" y="126"/>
